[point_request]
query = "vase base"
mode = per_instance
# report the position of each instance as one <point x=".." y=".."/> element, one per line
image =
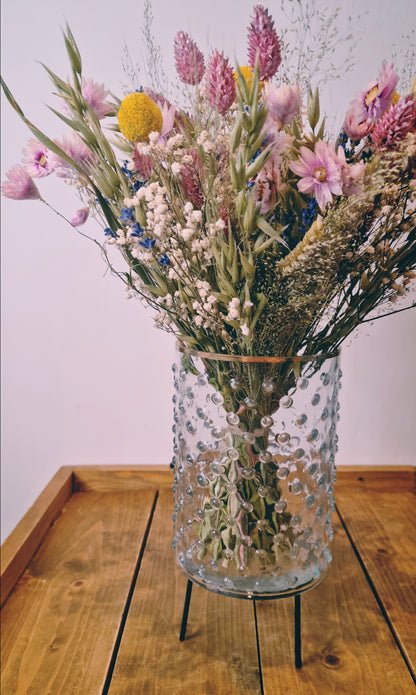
<point x="261" y="588"/>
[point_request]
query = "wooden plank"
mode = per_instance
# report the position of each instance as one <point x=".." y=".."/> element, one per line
<point x="121" y="478"/>
<point x="19" y="548"/>
<point x="382" y="528"/>
<point x="219" y="654"/>
<point x="378" y="478"/>
<point x="60" y="624"/>
<point x="347" y="646"/>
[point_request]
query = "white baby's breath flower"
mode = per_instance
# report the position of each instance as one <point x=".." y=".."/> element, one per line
<point x="187" y="234"/>
<point x="174" y="142"/>
<point x="234" y="307"/>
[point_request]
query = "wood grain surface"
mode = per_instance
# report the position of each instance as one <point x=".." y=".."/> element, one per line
<point x="219" y="654"/>
<point x="18" y="549"/>
<point x="61" y="622"/>
<point x="96" y="598"/>
<point x="382" y="529"/>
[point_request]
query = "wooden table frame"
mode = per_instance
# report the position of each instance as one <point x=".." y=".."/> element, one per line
<point x="92" y="599"/>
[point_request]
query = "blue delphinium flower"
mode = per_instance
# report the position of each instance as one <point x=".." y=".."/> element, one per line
<point x="147" y="243"/>
<point x="127" y="215"/>
<point x="136" y="230"/>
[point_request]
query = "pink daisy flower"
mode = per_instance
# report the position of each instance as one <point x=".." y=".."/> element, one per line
<point x="263" y="40"/>
<point x="20" y="185"/>
<point x="319" y="173"/>
<point x="189" y="60"/>
<point x="95" y="95"/>
<point x="77" y="150"/>
<point x="373" y="101"/>
<point x="37" y="159"/>
<point x="220" y="83"/>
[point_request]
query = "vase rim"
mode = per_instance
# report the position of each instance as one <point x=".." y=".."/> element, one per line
<point x="254" y="358"/>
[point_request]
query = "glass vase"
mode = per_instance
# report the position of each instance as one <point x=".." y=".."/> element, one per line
<point x="254" y="445"/>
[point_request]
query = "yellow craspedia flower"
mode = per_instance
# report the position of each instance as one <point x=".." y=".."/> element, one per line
<point x="248" y="76"/>
<point x="138" y="116"/>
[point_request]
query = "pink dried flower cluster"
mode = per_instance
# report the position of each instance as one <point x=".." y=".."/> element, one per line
<point x="190" y="181"/>
<point x="220" y="83"/>
<point x="264" y="43"/>
<point x="395" y="124"/>
<point x="143" y="164"/>
<point x="189" y="60"/>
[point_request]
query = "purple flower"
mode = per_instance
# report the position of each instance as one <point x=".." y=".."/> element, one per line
<point x="77" y="150"/>
<point x="283" y="104"/>
<point x="220" y="83"/>
<point x="37" y="159"/>
<point x="373" y="101"/>
<point x="319" y="173"/>
<point x="263" y="40"/>
<point x="20" y="185"/>
<point x="95" y="95"/>
<point x="395" y="124"/>
<point x="189" y="60"/>
<point x="80" y="217"/>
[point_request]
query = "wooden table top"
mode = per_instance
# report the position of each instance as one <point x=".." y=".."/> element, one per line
<point x="92" y="598"/>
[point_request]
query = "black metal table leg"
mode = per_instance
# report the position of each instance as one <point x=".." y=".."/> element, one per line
<point x="298" y="653"/>
<point x="185" y="611"/>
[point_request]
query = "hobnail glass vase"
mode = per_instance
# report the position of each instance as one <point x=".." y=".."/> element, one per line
<point x="254" y="445"/>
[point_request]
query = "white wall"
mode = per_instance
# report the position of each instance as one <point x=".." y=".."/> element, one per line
<point x="85" y="377"/>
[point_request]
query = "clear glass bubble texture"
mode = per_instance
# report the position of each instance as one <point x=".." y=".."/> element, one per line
<point x="254" y="471"/>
